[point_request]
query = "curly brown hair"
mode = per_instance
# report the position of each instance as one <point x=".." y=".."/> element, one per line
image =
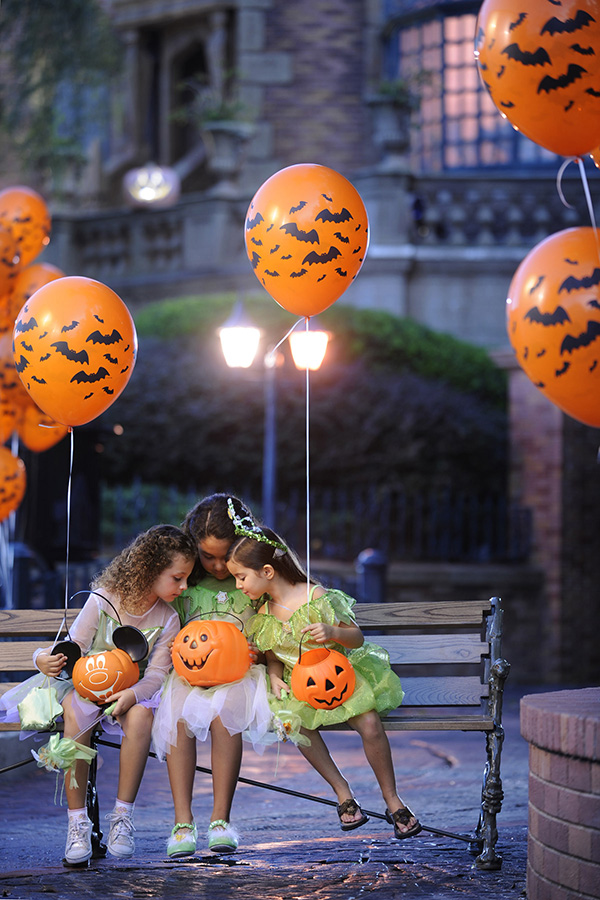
<point x="131" y="574"/>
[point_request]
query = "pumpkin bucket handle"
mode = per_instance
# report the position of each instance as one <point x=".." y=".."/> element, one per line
<point x="218" y="612"/>
<point x="326" y="649"/>
<point x="125" y="637"/>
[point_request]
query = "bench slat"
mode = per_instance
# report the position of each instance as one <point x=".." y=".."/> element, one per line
<point x="460" y="722"/>
<point x="23" y="622"/>
<point x="18" y="656"/>
<point x="441" y="613"/>
<point x="442" y="691"/>
<point x="433" y="648"/>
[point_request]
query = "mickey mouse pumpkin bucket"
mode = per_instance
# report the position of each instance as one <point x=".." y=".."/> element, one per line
<point x="208" y="652"/>
<point x="323" y="678"/>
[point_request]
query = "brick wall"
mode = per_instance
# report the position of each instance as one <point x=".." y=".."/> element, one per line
<point x="563" y="731"/>
<point x="320" y="117"/>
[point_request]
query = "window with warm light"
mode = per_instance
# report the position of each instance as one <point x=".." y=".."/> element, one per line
<point x="457" y="124"/>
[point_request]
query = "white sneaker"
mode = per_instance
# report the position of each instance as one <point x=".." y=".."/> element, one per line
<point x="78" y="848"/>
<point x="120" y="837"/>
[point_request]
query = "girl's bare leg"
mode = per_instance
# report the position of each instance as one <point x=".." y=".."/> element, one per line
<point x="76" y="796"/>
<point x="379" y="756"/>
<point x="319" y="757"/>
<point x="137" y="732"/>
<point x="226" y="760"/>
<point x="181" y="766"/>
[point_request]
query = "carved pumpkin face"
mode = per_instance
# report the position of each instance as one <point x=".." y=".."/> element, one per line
<point x="553" y="321"/>
<point x="306" y="236"/>
<point x="540" y="63"/>
<point x="74" y="348"/>
<point x="323" y="678"/>
<point x="207" y="652"/>
<point x="97" y="677"/>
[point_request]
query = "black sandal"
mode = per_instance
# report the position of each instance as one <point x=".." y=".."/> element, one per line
<point x="352" y="807"/>
<point x="402" y="816"/>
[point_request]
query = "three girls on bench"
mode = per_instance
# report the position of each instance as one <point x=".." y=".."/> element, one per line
<point x="261" y="564"/>
<point x="153" y="569"/>
<point x="187" y="713"/>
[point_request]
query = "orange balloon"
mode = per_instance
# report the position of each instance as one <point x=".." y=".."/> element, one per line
<point x="28" y="281"/>
<point x="25" y="213"/>
<point x="9" y="259"/>
<point x="12" y="482"/>
<point x="553" y="320"/>
<point x="74" y="346"/>
<point x="541" y="66"/>
<point x="595" y="155"/>
<point x="37" y="430"/>
<point x="307" y="235"/>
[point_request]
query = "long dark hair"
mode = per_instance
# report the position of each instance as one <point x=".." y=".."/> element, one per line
<point x="254" y="554"/>
<point x="210" y="518"/>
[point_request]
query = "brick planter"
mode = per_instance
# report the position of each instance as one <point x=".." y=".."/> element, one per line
<point x="563" y="852"/>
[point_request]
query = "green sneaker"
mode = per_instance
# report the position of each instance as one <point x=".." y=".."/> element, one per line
<point x="182" y="841"/>
<point x="222" y="837"/>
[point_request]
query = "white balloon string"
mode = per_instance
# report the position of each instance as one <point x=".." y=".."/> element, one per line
<point x="69" y="485"/>
<point x="559" y="182"/>
<point x="588" y="199"/>
<point x="274" y="349"/>
<point x="307" y="472"/>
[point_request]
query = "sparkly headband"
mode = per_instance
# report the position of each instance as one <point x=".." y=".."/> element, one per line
<point x="246" y="526"/>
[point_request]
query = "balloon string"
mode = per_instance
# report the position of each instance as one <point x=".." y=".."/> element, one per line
<point x="588" y="198"/>
<point x="559" y="182"/>
<point x="69" y="483"/>
<point x="274" y="349"/>
<point x="307" y="472"/>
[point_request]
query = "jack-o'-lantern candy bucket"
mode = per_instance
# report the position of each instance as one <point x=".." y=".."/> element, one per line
<point x="323" y="678"/>
<point x="99" y="676"/>
<point x="207" y="652"/>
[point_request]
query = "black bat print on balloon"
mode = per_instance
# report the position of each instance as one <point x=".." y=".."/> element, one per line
<point x="549" y="84"/>
<point x="27" y="347"/>
<point x="594" y="304"/>
<point x="256" y="241"/>
<point x="275" y="249"/>
<point x="564" y="368"/>
<point x="70" y="327"/>
<point x="557" y="317"/>
<point x="298" y="274"/>
<point x="310" y="237"/>
<point x="340" y="237"/>
<point x="21" y="365"/>
<point x="584" y="51"/>
<point x="574" y="284"/>
<point x="255" y="260"/>
<point x="252" y="223"/>
<point x="45" y="357"/>
<point x="592" y="92"/>
<point x="570" y="342"/>
<point x="569" y="26"/>
<point x="341" y="272"/>
<point x="79" y="356"/>
<point x="22" y="326"/>
<point x="593" y="365"/>
<point x="108" y="390"/>
<point x="314" y="257"/>
<point x="538" y="58"/>
<point x="98" y="319"/>
<point x="513" y="25"/>
<point x="329" y="199"/>
<point x="96" y="337"/>
<point x="90" y="377"/>
<point x="272" y="274"/>
<point x="111" y="359"/>
<point x="39" y="380"/>
<point x="327" y="216"/>
<point x="300" y="206"/>
<point x="537" y="284"/>
<point x="321" y="277"/>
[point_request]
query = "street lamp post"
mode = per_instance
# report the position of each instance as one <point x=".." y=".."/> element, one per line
<point x="239" y="342"/>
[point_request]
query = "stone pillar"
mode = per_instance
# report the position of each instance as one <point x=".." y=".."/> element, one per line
<point x="563" y="850"/>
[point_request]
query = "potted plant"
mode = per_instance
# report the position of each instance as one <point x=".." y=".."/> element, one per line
<point x="393" y="103"/>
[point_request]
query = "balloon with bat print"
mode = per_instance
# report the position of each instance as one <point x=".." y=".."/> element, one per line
<point x="553" y="320"/>
<point x="74" y="346"/>
<point x="540" y="63"/>
<point x="307" y="235"/>
<point x="28" y="281"/>
<point x="25" y="213"/>
<point x="12" y="482"/>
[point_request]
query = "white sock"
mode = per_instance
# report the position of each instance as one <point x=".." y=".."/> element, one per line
<point x="77" y="814"/>
<point x="123" y="806"/>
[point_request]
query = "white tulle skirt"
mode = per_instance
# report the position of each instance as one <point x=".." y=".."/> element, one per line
<point x="242" y="707"/>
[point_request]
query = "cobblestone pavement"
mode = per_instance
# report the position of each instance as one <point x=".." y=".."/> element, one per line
<point x="291" y="847"/>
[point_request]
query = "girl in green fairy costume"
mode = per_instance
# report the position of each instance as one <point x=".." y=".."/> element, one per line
<point x="225" y="712"/>
<point x="262" y="564"/>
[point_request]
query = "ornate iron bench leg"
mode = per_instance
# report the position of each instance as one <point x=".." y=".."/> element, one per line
<point x="93" y="810"/>
<point x="492" y="793"/>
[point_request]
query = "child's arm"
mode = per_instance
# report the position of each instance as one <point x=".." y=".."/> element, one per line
<point x="349" y="636"/>
<point x="275" y="673"/>
<point x="50" y="664"/>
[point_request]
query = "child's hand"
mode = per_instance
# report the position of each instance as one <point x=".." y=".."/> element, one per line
<point x="278" y="685"/>
<point x="121" y="701"/>
<point x="51" y="664"/>
<point x="253" y="650"/>
<point x="319" y="631"/>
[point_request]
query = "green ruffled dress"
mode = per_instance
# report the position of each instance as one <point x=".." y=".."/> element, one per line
<point x="377" y="685"/>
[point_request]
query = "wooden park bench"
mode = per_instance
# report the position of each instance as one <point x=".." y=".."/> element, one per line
<point x="448" y="655"/>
